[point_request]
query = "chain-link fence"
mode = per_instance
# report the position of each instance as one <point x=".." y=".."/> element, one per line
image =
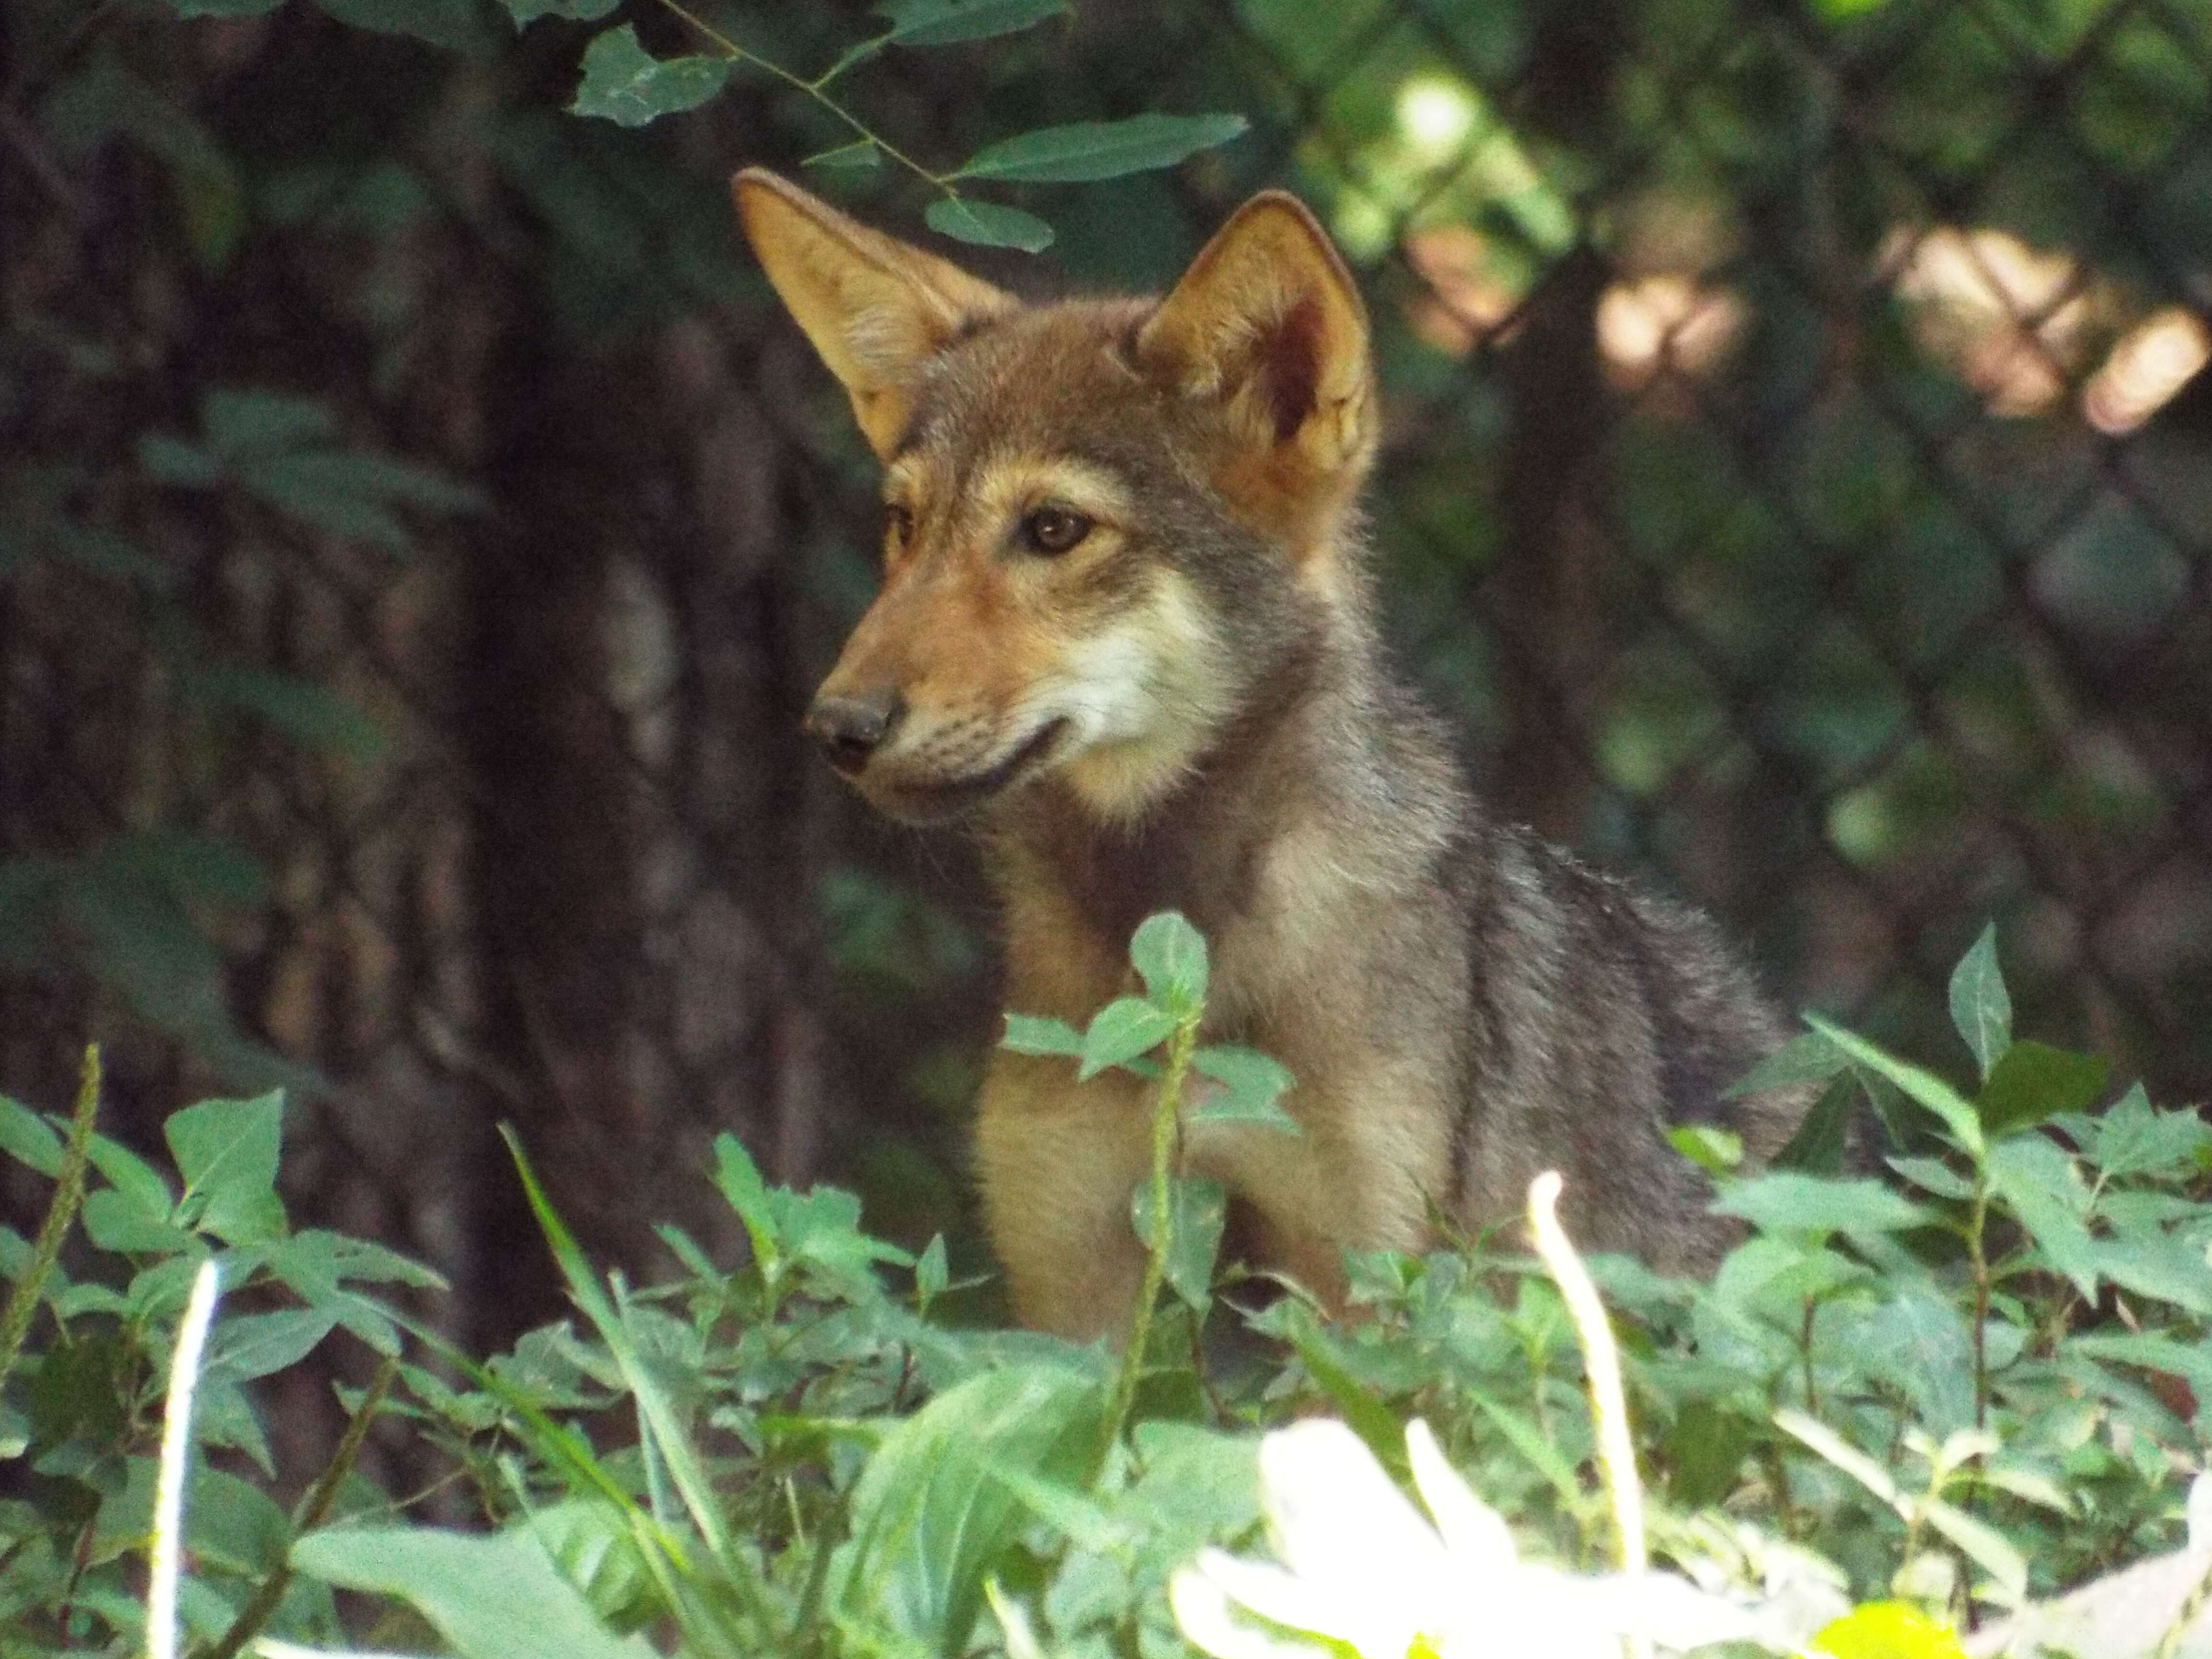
<point x="1797" y="476"/>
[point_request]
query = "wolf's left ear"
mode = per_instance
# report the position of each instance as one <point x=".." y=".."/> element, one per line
<point x="1268" y="320"/>
<point x="874" y="307"/>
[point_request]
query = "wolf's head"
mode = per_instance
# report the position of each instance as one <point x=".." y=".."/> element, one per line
<point x="1107" y="521"/>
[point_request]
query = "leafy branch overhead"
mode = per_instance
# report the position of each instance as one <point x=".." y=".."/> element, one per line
<point x="624" y="83"/>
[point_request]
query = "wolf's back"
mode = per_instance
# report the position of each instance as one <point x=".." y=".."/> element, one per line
<point x="1596" y="1016"/>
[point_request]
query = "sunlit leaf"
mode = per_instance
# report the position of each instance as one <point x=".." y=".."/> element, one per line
<point x="1712" y="1149"/>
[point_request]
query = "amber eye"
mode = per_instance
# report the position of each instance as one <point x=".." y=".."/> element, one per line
<point x="1053" y="530"/>
<point x="898" y="524"/>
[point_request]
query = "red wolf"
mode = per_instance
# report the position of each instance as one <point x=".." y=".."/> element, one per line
<point x="1127" y="631"/>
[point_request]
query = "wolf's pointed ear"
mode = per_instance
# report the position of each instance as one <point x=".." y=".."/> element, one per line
<point x="874" y="307"/>
<point x="1268" y="320"/>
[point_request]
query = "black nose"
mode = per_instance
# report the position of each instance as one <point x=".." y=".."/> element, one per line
<point x="849" y="728"/>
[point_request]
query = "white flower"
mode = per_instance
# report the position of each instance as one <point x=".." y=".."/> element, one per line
<point x="1360" y="1566"/>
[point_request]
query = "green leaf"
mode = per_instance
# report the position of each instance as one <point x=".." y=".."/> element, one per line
<point x="1251" y="1086"/>
<point x="625" y="85"/>
<point x="106" y="100"/>
<point x="987" y="224"/>
<point x="314" y="714"/>
<point x="222" y="8"/>
<point x="930" y="1519"/>
<point x="1293" y="1321"/>
<point x="2031" y="1083"/>
<point x="1030" y="1034"/>
<point x="662" y="1427"/>
<point x="1916" y="1341"/>
<point x="173" y="461"/>
<point x="861" y="155"/>
<point x="1529" y="1439"/>
<point x="1786" y="1202"/>
<point x="738" y="1178"/>
<point x="113" y="1221"/>
<point x="1197" y="1209"/>
<point x="581" y="11"/>
<point x="1823" y="1140"/>
<point x="1705" y="1449"/>
<point x="1932" y="1175"/>
<point x="350" y="495"/>
<point x="452" y="24"/>
<point x="1085" y="150"/>
<point x="1124" y="1028"/>
<point x="244" y="423"/>
<point x="1716" y="1151"/>
<point x="2159" y="1265"/>
<point x="2190" y="1361"/>
<point x="1981" y="1007"/>
<point x="1957" y="1114"/>
<point x="247" y="1346"/>
<point x="1170" y="955"/>
<point x="316" y="1261"/>
<point x="944" y="22"/>
<point x="931" y="1274"/>
<point x="2134" y="1139"/>
<point x="226" y="1150"/>
<point x="26" y="1137"/>
<point x="2039" y="1184"/>
<point x="595" y="1547"/>
<point x="132" y="1176"/>
<point x="1807" y="1057"/>
<point x="496" y="1597"/>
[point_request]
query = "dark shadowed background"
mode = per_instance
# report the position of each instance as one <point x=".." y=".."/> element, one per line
<point x="420" y="531"/>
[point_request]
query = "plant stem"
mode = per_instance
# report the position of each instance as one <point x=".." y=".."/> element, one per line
<point x="69" y="1192"/>
<point x="1167" y="1123"/>
<point x="1981" y="1270"/>
<point x="737" y="54"/>
<point x="312" y="1513"/>
<point x="1805" y="1355"/>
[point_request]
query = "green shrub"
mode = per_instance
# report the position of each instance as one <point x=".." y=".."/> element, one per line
<point x="1970" y="1385"/>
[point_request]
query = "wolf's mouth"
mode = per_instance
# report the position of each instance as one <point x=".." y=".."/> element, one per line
<point x="921" y="801"/>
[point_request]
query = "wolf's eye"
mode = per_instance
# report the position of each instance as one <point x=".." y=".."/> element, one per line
<point x="898" y="524"/>
<point x="1053" y="530"/>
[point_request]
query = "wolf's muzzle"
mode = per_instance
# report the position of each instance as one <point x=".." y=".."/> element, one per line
<point x="850" y="729"/>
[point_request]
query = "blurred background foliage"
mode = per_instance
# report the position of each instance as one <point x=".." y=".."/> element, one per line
<point x="419" y="532"/>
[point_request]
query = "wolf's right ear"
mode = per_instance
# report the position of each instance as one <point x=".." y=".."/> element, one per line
<point x="874" y="307"/>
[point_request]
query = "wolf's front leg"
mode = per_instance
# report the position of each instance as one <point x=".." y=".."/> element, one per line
<point x="1058" y="1161"/>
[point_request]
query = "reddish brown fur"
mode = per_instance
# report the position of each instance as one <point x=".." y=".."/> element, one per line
<point x="1186" y="708"/>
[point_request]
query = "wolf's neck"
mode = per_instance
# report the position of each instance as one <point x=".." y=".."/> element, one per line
<point x="1075" y="886"/>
